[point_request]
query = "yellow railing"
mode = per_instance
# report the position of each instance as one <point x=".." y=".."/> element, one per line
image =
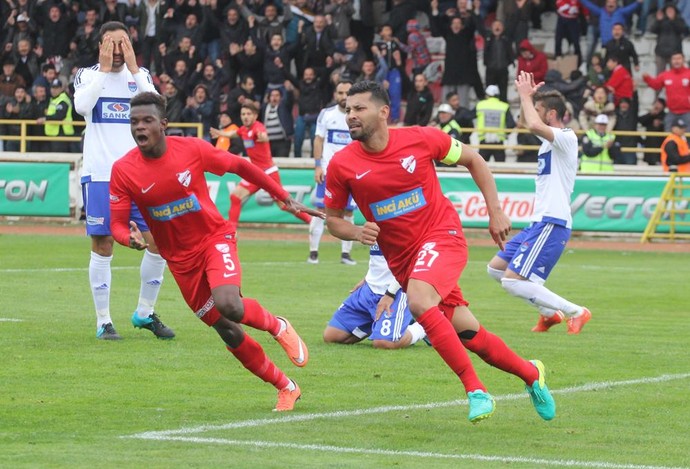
<point x="24" y="136"/>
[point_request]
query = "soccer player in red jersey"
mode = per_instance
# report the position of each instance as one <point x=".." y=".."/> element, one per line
<point x="255" y="139"/>
<point x="164" y="177"/>
<point x="390" y="174"/>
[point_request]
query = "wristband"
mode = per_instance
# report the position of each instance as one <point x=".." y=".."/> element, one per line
<point x="317" y="163"/>
<point x="390" y="294"/>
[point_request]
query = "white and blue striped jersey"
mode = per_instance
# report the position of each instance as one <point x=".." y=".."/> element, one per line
<point x="103" y="100"/>
<point x="556" y="170"/>
<point x="332" y="127"/>
<point x="379" y="277"/>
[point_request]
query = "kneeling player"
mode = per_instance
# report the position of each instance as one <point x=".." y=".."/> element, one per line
<point x="377" y="309"/>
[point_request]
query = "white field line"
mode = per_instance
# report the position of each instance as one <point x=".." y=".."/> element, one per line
<point x="11" y="320"/>
<point x="168" y="434"/>
<point x="418" y="454"/>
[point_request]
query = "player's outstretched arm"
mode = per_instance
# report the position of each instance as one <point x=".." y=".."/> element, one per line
<point x="343" y="229"/>
<point x="526" y="88"/>
<point x="136" y="239"/>
<point x="292" y="206"/>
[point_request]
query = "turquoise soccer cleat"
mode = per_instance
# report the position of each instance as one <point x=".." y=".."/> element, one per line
<point x="482" y="405"/>
<point x="540" y="395"/>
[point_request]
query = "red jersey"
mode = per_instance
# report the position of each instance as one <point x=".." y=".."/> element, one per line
<point x="398" y="189"/>
<point x="677" y="85"/>
<point x="172" y="194"/>
<point x="622" y="83"/>
<point x="259" y="152"/>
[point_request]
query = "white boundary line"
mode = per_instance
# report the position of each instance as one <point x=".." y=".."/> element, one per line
<point x="182" y="433"/>
<point x="11" y="320"/>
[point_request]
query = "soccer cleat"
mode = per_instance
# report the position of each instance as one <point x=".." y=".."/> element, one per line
<point x="313" y="257"/>
<point x="346" y="259"/>
<point x="575" y="324"/>
<point x="107" y="332"/>
<point x="154" y="324"/>
<point x="291" y="342"/>
<point x="482" y="405"/>
<point x="545" y="323"/>
<point x="287" y="398"/>
<point x="540" y="395"/>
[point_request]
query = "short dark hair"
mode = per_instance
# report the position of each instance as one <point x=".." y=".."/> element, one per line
<point x="149" y="97"/>
<point x="378" y="92"/>
<point x="109" y="27"/>
<point x="552" y="100"/>
<point x="251" y="106"/>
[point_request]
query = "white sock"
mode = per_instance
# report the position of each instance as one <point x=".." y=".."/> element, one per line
<point x="347" y="245"/>
<point x="100" y="277"/>
<point x="291" y="385"/>
<point x="540" y="296"/>
<point x="315" y="232"/>
<point x="151" y="270"/>
<point x="417" y="332"/>
<point x="495" y="273"/>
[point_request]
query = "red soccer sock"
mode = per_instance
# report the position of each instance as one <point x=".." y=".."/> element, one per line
<point x="446" y="342"/>
<point x="496" y="353"/>
<point x="305" y="217"/>
<point x="253" y="357"/>
<point x="235" y="209"/>
<point x="258" y="317"/>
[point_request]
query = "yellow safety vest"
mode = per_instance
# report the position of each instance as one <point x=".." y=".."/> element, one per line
<point x="491" y="112"/>
<point x="599" y="163"/>
<point x="52" y="129"/>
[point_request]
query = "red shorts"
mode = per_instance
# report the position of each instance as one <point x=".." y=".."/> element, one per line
<point x="271" y="172"/>
<point x="217" y="264"/>
<point x="440" y="261"/>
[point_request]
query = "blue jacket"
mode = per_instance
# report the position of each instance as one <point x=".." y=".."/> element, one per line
<point x="606" y="20"/>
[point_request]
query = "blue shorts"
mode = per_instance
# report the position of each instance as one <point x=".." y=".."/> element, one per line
<point x="534" y="251"/>
<point x="319" y="192"/>
<point x="96" y="196"/>
<point x="356" y="316"/>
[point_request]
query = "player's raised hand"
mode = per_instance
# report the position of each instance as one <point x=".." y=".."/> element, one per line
<point x="129" y="55"/>
<point x="292" y="206"/>
<point x="499" y="227"/>
<point x="368" y="233"/>
<point x="524" y="83"/>
<point x="136" y="239"/>
<point x="105" y="54"/>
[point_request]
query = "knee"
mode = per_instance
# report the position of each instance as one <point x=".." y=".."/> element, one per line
<point x="496" y="274"/>
<point x="510" y="285"/>
<point x="230" y="307"/>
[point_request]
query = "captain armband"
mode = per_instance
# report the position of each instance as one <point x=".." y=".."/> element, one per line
<point x="454" y="152"/>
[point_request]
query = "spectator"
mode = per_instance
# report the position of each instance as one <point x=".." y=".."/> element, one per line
<point x="400" y="13"/>
<point x="27" y="62"/>
<point x="338" y="15"/>
<point x="420" y="103"/>
<point x="10" y="79"/>
<point x="371" y="71"/>
<point x="416" y="47"/>
<point x="596" y="73"/>
<point x="448" y="124"/>
<point x="276" y="66"/>
<point x="212" y="77"/>
<point x="276" y="115"/>
<point x="151" y="16"/>
<point x="191" y="29"/>
<point x="240" y="95"/>
<point x="84" y="45"/>
<point x="39" y="105"/>
<point x="653" y="121"/>
<point x="532" y="60"/>
<point x="498" y="56"/>
<point x="516" y="15"/>
<point x="598" y="103"/>
<point x="391" y="53"/>
<point x="568" y="27"/>
<point x="248" y="61"/>
<point x="310" y="101"/>
<point x="670" y="30"/>
<point x="57" y="33"/>
<point x="620" y="82"/>
<point x="675" y="155"/>
<point x="199" y="109"/>
<point x="185" y="50"/>
<point x="609" y="15"/>
<point x="48" y="74"/>
<point x="626" y="120"/>
<point x="458" y="76"/>
<point x="597" y="145"/>
<point x="234" y="30"/>
<point x="19" y="26"/>
<point x="527" y="138"/>
<point x="622" y="47"/>
<point x="175" y="102"/>
<point x="17" y="107"/>
<point x="317" y="47"/>
<point x="232" y="144"/>
<point x="112" y="10"/>
<point x="492" y="112"/>
<point x="462" y="115"/>
<point x="350" y="62"/>
<point x="181" y="75"/>
<point x="592" y="27"/>
<point x="676" y="83"/>
<point x="59" y="109"/>
<point x="263" y="27"/>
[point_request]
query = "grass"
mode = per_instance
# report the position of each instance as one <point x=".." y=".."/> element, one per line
<point x="68" y="400"/>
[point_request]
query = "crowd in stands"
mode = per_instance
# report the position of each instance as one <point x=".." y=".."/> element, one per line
<point x="208" y="57"/>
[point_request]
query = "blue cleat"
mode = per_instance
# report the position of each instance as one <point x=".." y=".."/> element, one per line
<point x="482" y="405"/>
<point x="107" y="332"/>
<point x="539" y="394"/>
<point x="153" y="324"/>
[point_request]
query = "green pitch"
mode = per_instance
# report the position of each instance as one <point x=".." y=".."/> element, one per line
<point x="69" y="400"/>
